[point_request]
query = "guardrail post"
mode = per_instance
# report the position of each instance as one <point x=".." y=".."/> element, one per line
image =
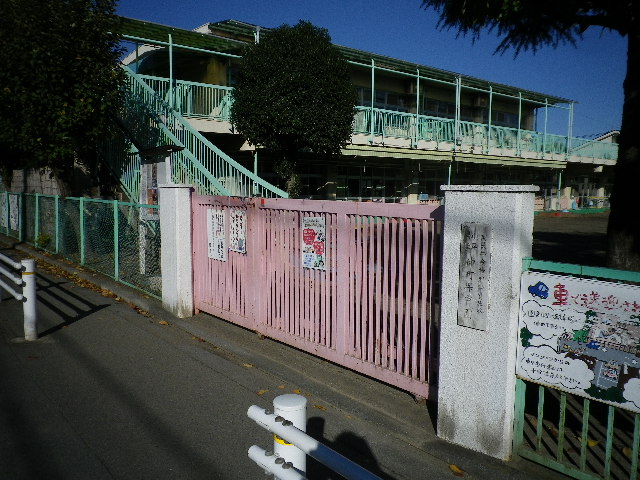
<point x="29" y="299"/>
<point x="293" y="408"/>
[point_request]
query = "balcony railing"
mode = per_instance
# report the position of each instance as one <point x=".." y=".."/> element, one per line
<point x="481" y="137"/>
<point x="203" y="100"/>
<point x="193" y="99"/>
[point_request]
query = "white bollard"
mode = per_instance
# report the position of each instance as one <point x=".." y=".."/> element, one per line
<point x="293" y="408"/>
<point x="274" y="465"/>
<point x="29" y="299"/>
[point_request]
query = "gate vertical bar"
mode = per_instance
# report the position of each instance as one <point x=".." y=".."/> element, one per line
<point x="342" y="279"/>
<point x="21" y="216"/>
<point x="585" y="431"/>
<point x="636" y="447"/>
<point x="561" y="423"/>
<point x="521" y="390"/>
<point x="116" y="241"/>
<point x="37" y="220"/>
<point x="609" y="444"/>
<point x="82" y="239"/>
<point x="57" y="219"/>
<point x="540" y="419"/>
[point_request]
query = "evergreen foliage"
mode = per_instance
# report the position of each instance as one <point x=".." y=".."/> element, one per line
<point x="294" y="94"/>
<point x="59" y="83"/>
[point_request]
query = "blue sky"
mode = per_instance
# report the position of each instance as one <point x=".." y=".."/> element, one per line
<point x="591" y="73"/>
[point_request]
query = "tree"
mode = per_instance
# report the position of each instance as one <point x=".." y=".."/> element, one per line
<point x="59" y="84"/>
<point x="531" y="24"/>
<point x="294" y="94"/>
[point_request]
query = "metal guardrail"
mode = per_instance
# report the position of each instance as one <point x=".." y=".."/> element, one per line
<point x="287" y="461"/>
<point x="26" y="280"/>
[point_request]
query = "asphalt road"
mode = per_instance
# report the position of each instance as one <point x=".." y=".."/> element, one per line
<point x="115" y="391"/>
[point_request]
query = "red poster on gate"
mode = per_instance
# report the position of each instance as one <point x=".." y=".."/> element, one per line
<point x="308" y="236"/>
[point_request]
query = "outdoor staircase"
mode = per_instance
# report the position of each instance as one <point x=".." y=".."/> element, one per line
<point x="148" y="122"/>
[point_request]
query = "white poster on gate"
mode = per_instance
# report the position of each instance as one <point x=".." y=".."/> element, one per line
<point x="238" y="230"/>
<point x="581" y="336"/>
<point x="314" y="243"/>
<point x="216" y="235"/>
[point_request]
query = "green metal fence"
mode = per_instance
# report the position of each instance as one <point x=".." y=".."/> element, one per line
<point x="118" y="239"/>
<point x="580" y="437"/>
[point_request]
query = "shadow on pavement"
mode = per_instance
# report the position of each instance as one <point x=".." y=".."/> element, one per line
<point x="348" y="444"/>
<point x="63" y="303"/>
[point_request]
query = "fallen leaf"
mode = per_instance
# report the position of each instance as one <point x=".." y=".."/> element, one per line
<point x="627" y="451"/>
<point x="320" y="407"/>
<point x="281" y="387"/>
<point x="554" y="432"/>
<point x="163" y="322"/>
<point x="297" y="390"/>
<point x="457" y="471"/>
<point x="247" y="365"/>
<point x="262" y="392"/>
<point x="590" y="441"/>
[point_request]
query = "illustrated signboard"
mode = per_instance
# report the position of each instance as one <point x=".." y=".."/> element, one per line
<point x="581" y="336"/>
<point x="473" y="289"/>
<point x="238" y="230"/>
<point x="216" y="235"/>
<point x="314" y="243"/>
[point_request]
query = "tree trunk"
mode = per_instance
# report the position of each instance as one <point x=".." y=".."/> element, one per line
<point x="623" y="232"/>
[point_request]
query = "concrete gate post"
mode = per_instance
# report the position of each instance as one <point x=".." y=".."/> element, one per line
<point x="487" y="231"/>
<point x="176" y="262"/>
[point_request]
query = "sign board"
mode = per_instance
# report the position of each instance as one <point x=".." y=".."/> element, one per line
<point x="581" y="336"/>
<point x="216" y="234"/>
<point x="150" y="176"/>
<point x="314" y="243"/>
<point x="238" y="230"/>
<point x="473" y="287"/>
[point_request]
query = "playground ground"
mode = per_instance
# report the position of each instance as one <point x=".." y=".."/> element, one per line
<point x="571" y="237"/>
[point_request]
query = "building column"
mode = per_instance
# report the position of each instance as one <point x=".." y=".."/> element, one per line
<point x="487" y="231"/>
<point x="175" y="231"/>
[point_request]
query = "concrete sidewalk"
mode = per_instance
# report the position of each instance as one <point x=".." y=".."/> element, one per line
<point x="117" y="388"/>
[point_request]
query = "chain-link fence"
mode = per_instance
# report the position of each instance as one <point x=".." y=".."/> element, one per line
<point x="118" y="239"/>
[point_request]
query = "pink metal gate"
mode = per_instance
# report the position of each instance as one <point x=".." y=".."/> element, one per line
<point x="374" y="308"/>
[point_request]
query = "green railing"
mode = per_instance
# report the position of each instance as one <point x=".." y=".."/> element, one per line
<point x="124" y="164"/>
<point x="580" y="437"/>
<point x="150" y="122"/>
<point x="118" y="239"/>
<point x="214" y="101"/>
<point x="193" y="99"/>
<point x="387" y="123"/>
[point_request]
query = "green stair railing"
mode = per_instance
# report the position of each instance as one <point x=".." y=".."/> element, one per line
<point x="150" y="122"/>
<point x="119" y="155"/>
